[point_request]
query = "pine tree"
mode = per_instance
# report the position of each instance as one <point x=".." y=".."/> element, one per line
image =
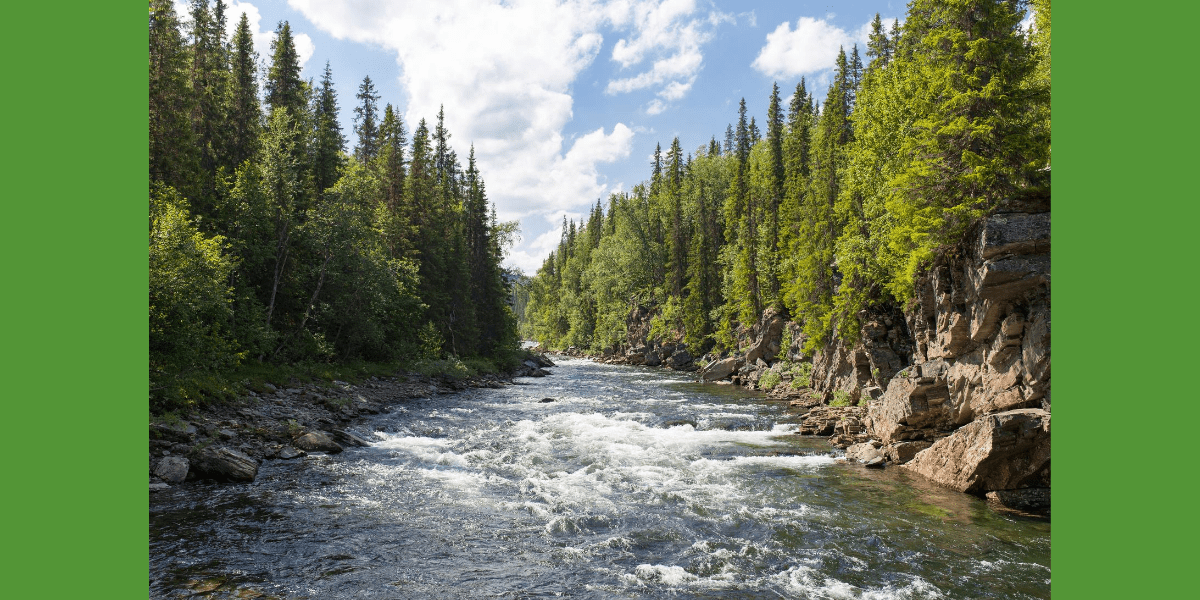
<point x="366" y="121"/>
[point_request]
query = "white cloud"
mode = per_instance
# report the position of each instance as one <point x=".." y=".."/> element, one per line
<point x="810" y="48"/>
<point x="262" y="39"/>
<point x="503" y="71"/>
<point x="667" y="32"/>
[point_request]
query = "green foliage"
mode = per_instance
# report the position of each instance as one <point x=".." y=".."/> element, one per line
<point x="769" y="379"/>
<point x="267" y="246"/>
<point x="840" y="398"/>
<point x="189" y="298"/>
<point x="802" y="376"/>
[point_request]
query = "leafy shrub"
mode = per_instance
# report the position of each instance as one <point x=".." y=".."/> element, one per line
<point x="840" y="398"/>
<point x="802" y="376"/>
<point x="769" y="379"/>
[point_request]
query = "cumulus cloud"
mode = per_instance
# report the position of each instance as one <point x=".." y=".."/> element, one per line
<point x="262" y="39"/>
<point x="668" y="33"/>
<point x="811" y="47"/>
<point x="504" y="70"/>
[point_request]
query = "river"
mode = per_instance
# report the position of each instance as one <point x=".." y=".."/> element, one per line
<point x="633" y="483"/>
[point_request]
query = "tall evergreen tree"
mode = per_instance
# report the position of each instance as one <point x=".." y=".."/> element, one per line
<point x="366" y="121"/>
<point x="173" y="156"/>
<point x="329" y="143"/>
<point x="284" y="87"/>
<point x="244" y="116"/>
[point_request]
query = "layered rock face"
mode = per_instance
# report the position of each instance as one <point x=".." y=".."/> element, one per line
<point x="980" y="372"/>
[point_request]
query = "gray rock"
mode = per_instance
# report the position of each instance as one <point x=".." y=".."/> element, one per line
<point x="546" y="400"/>
<point x="1015" y="234"/>
<point x="224" y="464"/>
<point x="270" y="388"/>
<point x="1004" y="451"/>
<point x="349" y="439"/>
<point x="902" y="452"/>
<point x="1033" y="500"/>
<point x="158" y="487"/>
<point x="719" y="370"/>
<point x="317" y="441"/>
<point x="289" y="452"/>
<point x="180" y="433"/>
<point x="864" y="452"/>
<point x="226" y="434"/>
<point x="172" y="469"/>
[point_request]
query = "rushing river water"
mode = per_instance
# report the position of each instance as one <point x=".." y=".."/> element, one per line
<point x="634" y="483"/>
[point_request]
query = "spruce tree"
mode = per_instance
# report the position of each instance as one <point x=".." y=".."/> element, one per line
<point x="329" y="143"/>
<point x="173" y="157"/>
<point x="284" y="87"/>
<point x="366" y="124"/>
<point x="244" y="116"/>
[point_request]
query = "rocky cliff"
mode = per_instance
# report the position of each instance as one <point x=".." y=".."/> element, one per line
<point x="956" y="385"/>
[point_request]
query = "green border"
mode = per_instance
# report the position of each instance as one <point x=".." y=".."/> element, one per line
<point x="74" y="302"/>
<point x="1124" y="234"/>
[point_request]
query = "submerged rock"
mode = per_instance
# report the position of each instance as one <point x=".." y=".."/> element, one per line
<point x="317" y="441"/>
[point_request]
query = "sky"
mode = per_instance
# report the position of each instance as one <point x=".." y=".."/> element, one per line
<point x="565" y="100"/>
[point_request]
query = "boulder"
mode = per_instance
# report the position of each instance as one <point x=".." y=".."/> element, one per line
<point x="172" y="469"/>
<point x="181" y="432"/>
<point x="159" y="487"/>
<point x="720" y="369"/>
<point x="546" y="400"/>
<point x="902" y="452"/>
<point x="346" y="438"/>
<point x="290" y="452"/>
<point x="680" y="359"/>
<point x="824" y="420"/>
<point x="1031" y="500"/>
<point x="863" y="452"/>
<point x="317" y="441"/>
<point x="1003" y="451"/>
<point x="224" y="464"/>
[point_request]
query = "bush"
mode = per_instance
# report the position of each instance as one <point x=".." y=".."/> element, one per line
<point x="768" y="380"/>
<point x="840" y="398"/>
<point x="802" y="376"/>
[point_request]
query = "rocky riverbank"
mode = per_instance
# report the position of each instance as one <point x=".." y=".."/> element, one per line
<point x="228" y="441"/>
<point x="954" y="386"/>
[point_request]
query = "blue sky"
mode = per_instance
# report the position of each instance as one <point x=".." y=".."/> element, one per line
<point x="565" y="100"/>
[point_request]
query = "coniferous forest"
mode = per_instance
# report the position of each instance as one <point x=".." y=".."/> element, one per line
<point x="272" y="241"/>
<point x="825" y="209"/>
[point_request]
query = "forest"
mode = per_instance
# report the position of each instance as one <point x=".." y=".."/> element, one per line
<point x="826" y="208"/>
<point x="271" y="242"/>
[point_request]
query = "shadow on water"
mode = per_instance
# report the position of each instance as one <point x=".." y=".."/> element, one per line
<point x="633" y="483"/>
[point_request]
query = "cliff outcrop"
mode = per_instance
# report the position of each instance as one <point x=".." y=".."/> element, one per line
<point x="955" y="385"/>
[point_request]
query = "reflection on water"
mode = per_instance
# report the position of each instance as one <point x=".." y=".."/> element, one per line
<point x="633" y="483"/>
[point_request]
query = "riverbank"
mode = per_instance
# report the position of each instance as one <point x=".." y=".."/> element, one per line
<point x="227" y="441"/>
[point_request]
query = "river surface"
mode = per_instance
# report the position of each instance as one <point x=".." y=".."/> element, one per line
<point x="634" y="483"/>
